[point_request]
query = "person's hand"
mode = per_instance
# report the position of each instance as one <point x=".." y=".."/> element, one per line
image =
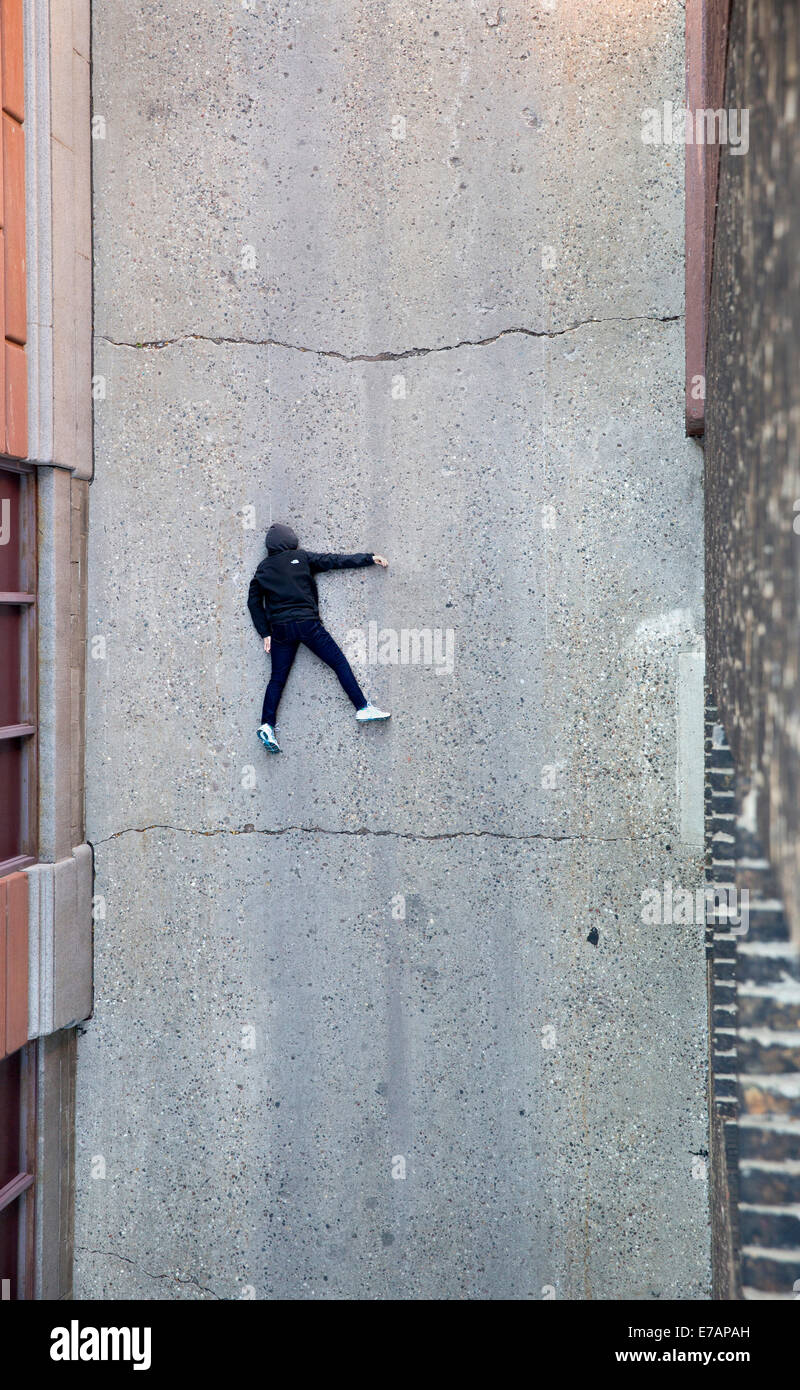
<point x="267" y="643"/>
<point x="380" y="560"/>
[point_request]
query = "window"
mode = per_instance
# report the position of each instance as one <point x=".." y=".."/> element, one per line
<point x="17" y="1107"/>
<point x="17" y="482"/>
<point x="17" y="668"/>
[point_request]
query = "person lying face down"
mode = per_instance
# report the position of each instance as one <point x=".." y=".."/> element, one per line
<point x="284" y="605"/>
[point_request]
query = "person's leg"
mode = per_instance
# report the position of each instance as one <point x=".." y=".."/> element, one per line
<point x="319" y="641"/>
<point x="283" y="650"/>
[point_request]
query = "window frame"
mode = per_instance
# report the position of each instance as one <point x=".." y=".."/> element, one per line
<point x="25" y="600"/>
<point x="20" y="1189"/>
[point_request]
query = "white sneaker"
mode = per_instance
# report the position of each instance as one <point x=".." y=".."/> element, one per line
<point x="370" y="712"/>
<point x="267" y="735"/>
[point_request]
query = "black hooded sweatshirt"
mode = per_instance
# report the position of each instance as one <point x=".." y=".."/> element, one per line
<point x="283" y="588"/>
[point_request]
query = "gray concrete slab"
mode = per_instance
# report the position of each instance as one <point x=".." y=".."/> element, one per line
<point x="566" y="567"/>
<point x="304" y="1015"/>
<point x="535" y="494"/>
<point x="396" y="172"/>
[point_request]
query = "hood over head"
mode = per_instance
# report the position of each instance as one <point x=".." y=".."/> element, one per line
<point x="280" y="537"/>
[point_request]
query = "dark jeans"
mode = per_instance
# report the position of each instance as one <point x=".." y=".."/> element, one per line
<point x="286" y="638"/>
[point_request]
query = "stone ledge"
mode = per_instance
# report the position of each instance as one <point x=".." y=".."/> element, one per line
<point x="60" y="942"/>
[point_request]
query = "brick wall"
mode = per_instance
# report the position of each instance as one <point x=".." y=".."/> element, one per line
<point x="721" y="956"/>
<point x="13" y="367"/>
<point x="752" y="453"/>
<point x="13" y="963"/>
<point x="752" y="484"/>
<point x="754" y="1003"/>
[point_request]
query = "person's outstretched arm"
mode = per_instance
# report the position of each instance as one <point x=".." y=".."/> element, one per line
<point x="320" y="563"/>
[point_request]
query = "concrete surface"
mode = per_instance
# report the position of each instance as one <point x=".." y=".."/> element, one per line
<point x="523" y="465"/>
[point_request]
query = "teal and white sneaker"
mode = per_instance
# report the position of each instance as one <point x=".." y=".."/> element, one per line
<point x="369" y="713"/>
<point x="267" y="735"/>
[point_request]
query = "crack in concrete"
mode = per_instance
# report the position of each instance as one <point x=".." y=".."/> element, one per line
<point x="392" y="834"/>
<point x="160" y="343"/>
<point x="113" y="1254"/>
